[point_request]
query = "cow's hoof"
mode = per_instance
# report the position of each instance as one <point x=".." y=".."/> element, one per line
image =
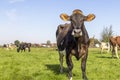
<point x="70" y="78"/>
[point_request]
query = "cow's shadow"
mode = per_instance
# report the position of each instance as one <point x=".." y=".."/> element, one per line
<point x="104" y="57"/>
<point x="56" y="68"/>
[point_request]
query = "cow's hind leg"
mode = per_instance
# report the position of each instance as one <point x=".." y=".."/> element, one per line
<point x="61" y="55"/>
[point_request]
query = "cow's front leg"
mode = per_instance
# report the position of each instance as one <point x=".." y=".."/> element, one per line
<point x="18" y="49"/>
<point x="24" y="49"/>
<point x="69" y="63"/>
<point x="83" y="61"/>
<point x="29" y="49"/>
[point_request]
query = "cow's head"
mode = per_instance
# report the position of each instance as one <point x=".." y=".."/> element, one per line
<point x="77" y="21"/>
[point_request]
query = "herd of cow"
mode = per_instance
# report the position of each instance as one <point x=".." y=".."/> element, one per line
<point x="72" y="39"/>
<point x="112" y="45"/>
<point x="21" y="47"/>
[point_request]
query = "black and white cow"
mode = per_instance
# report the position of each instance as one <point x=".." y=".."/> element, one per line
<point x="74" y="39"/>
<point x="23" y="47"/>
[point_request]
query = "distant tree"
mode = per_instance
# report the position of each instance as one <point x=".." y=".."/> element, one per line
<point x="17" y="42"/>
<point x="106" y="33"/>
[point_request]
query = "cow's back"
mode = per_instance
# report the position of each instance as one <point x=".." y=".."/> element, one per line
<point x="61" y="32"/>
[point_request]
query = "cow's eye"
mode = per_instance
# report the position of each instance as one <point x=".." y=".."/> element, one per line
<point x="73" y="22"/>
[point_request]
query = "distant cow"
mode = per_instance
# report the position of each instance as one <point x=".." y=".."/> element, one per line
<point x="23" y="47"/>
<point x="74" y="39"/>
<point x="115" y="42"/>
<point x="9" y="46"/>
<point x="104" y="46"/>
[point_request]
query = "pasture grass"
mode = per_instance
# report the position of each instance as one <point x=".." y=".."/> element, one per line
<point x="43" y="64"/>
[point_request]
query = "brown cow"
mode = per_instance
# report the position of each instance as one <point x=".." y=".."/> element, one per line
<point x="74" y="39"/>
<point x="115" y="43"/>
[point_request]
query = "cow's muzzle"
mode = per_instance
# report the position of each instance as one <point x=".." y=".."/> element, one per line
<point x="77" y="32"/>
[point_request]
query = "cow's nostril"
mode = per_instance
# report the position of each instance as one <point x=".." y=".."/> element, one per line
<point x="74" y="31"/>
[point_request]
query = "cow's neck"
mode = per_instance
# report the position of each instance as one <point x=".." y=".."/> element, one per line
<point x="81" y="43"/>
<point x="85" y="35"/>
<point x="84" y="39"/>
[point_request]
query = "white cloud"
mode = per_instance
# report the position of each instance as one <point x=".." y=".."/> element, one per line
<point x="14" y="1"/>
<point x="11" y="14"/>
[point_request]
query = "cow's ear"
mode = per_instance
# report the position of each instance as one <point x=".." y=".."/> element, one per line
<point x="90" y="17"/>
<point x="65" y="17"/>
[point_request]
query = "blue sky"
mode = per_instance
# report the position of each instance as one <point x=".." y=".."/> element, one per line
<point x="36" y="20"/>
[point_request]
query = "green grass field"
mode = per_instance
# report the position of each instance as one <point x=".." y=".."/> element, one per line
<point x="43" y="64"/>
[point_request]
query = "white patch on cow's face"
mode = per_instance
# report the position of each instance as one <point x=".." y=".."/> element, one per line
<point x="77" y="32"/>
